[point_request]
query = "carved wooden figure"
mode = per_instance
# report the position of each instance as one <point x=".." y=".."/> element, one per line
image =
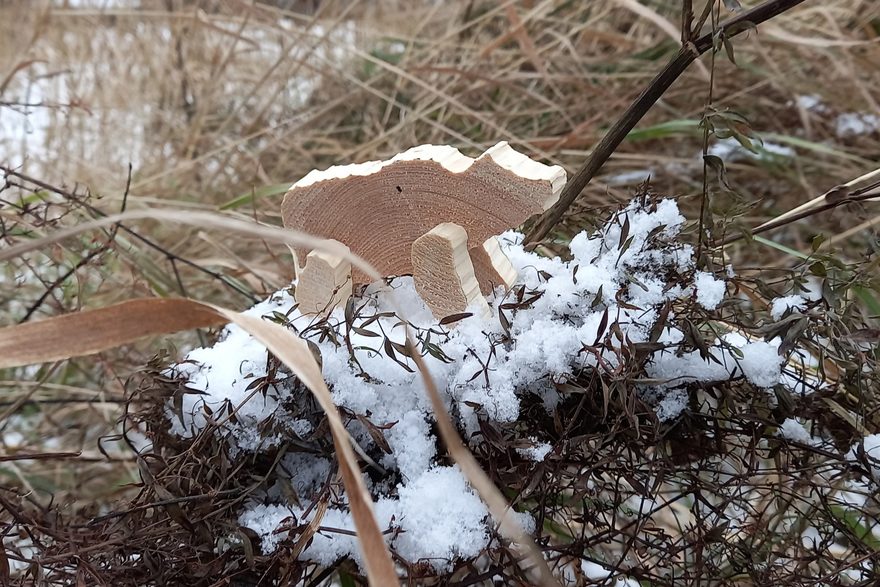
<point x="381" y="209"/>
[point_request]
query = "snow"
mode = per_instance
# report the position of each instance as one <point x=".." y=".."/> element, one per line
<point x="782" y="305"/>
<point x="537" y="452"/>
<point x="630" y="177"/>
<point x="729" y="149"/>
<point x="758" y="361"/>
<point x="597" y="572"/>
<point x="484" y="367"/>
<point x="761" y="363"/>
<point x="441" y="518"/>
<point x="846" y="124"/>
<point x="710" y="291"/>
<point x="850" y="124"/>
<point x="811" y="103"/>
<point x="793" y="430"/>
<point x="672" y="405"/>
<point x="437" y="518"/>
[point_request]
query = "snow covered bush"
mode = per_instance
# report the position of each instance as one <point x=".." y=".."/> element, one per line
<point x="610" y="308"/>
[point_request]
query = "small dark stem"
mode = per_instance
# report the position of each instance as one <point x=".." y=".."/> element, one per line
<point x="148" y="242"/>
<point x="687" y="21"/>
<point x="637" y="110"/>
<point x="702" y="237"/>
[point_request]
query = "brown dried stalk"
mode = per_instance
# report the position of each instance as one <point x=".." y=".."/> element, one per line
<point x="688" y="53"/>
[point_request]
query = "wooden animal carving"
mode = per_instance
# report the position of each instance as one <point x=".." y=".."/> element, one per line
<point x="381" y="209"/>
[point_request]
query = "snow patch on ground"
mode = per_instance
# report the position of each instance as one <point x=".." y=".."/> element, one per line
<point x="710" y="291"/>
<point x="729" y="149"/>
<point x="852" y="124"/>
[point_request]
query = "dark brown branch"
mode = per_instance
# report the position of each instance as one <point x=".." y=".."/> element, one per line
<point x="637" y="110"/>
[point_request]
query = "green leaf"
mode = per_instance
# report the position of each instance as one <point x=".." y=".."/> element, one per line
<point x="717" y="165"/>
<point x="728" y="48"/>
<point x="868" y="298"/>
<point x="850" y="517"/>
<point x="666" y="129"/>
<point x="779" y="247"/>
<point x="256" y="194"/>
<point x="814" y="147"/>
<point x="346" y="580"/>
<point x="818" y="269"/>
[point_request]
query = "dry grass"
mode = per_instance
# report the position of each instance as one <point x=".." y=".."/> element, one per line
<point x="217" y="104"/>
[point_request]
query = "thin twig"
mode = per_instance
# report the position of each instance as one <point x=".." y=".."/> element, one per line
<point x="147" y="241"/>
<point x="871" y="192"/>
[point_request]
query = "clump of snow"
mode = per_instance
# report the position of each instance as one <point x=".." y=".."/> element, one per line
<point x="23" y="551"/>
<point x="441" y="518"/>
<point x="731" y="150"/>
<point x="630" y="177"/>
<point x="758" y="361"/>
<point x="598" y="572"/>
<point x="782" y="305"/>
<point x="552" y="326"/>
<point x="537" y="452"/>
<point x="793" y="430"/>
<point x="710" y="291"/>
<point x="672" y="405"/>
<point x="850" y="124"/>
<point x="437" y="517"/>
<point x="846" y="124"/>
<point x="761" y="363"/>
<point x="811" y="103"/>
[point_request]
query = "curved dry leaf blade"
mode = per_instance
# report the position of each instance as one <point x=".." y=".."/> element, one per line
<point x="92" y="331"/>
<point x="295" y="354"/>
<point x="475" y="475"/>
<point x="203" y="220"/>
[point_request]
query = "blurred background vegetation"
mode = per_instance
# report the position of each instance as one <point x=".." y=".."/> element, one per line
<point x="108" y="105"/>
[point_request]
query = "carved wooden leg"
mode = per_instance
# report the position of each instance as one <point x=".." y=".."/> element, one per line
<point x="443" y="272"/>
<point x="323" y="284"/>
<point x="492" y="267"/>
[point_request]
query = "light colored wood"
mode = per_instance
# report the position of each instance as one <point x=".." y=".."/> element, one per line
<point x="323" y="283"/>
<point x="492" y="267"/>
<point x="380" y="208"/>
<point x="443" y="273"/>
